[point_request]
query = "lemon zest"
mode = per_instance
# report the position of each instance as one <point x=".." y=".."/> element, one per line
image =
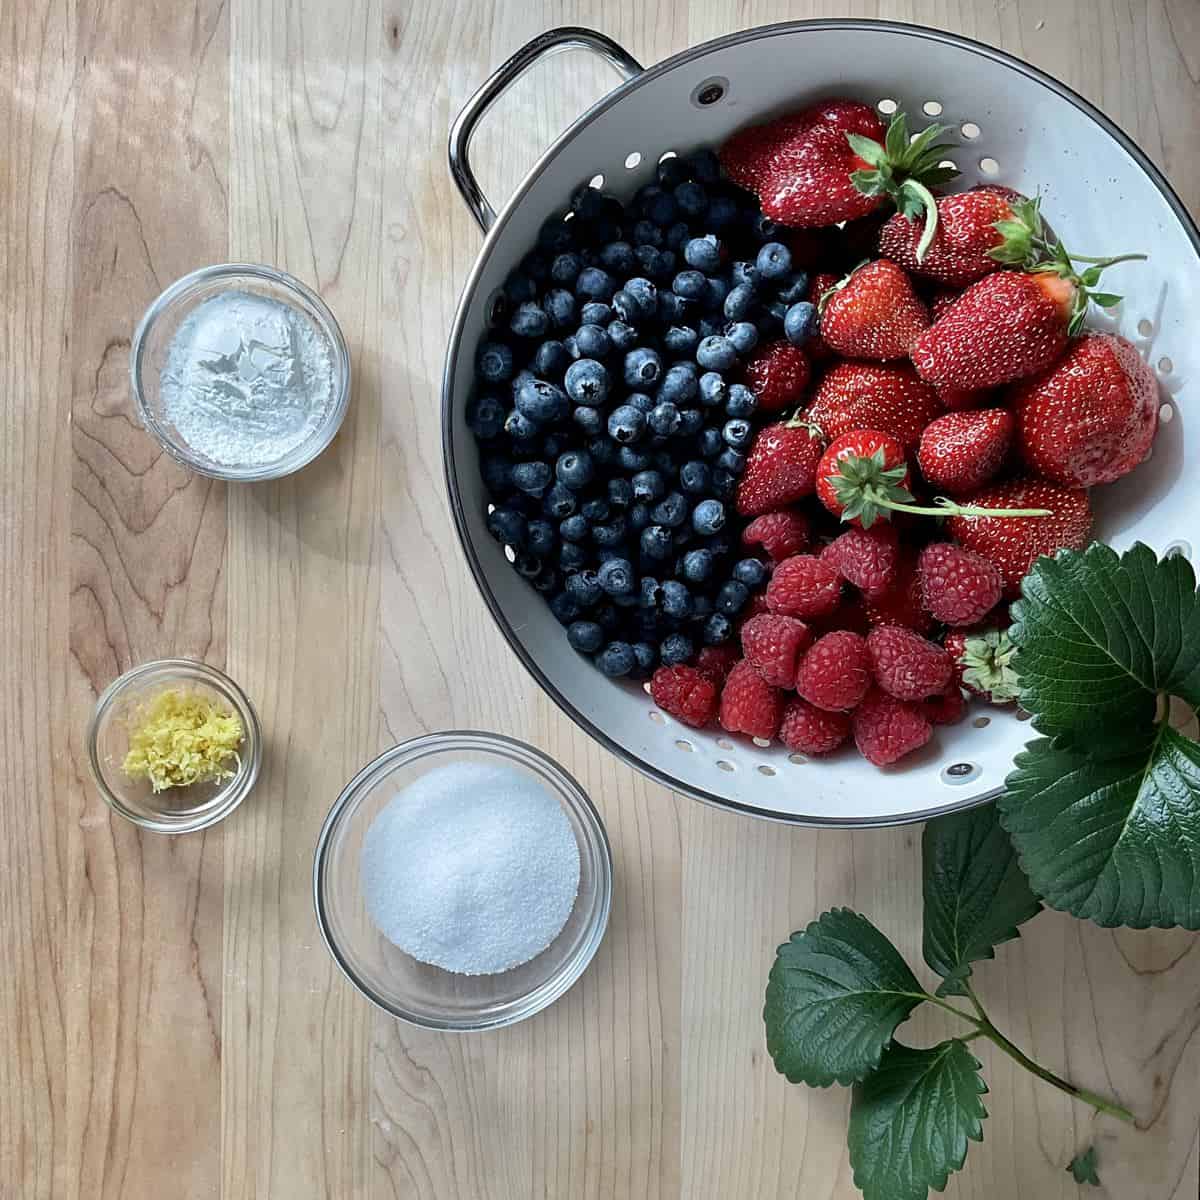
<point x="181" y="738"/>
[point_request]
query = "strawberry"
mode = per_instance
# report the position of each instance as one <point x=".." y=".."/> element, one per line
<point x="749" y="704"/>
<point x="906" y="665"/>
<point x="777" y="373"/>
<point x="685" y="693"/>
<point x="1091" y="417"/>
<point x="886" y="729"/>
<point x="958" y="586"/>
<point x="941" y="301"/>
<point x="901" y="603"/>
<point x="807" y="729"/>
<point x="836" y="671"/>
<point x="804" y="586"/>
<point x="781" y="467"/>
<point x="773" y="644"/>
<point x="961" y="451"/>
<point x="983" y="663"/>
<point x="866" y="558"/>
<point x="961" y="399"/>
<point x="781" y="534"/>
<point x="890" y="397"/>
<point x="815" y="347"/>
<point x="873" y="313"/>
<point x="1013" y="543"/>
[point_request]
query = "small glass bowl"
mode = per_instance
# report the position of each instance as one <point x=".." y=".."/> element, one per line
<point x="152" y="340"/>
<point x="175" y="810"/>
<point x="426" y="995"/>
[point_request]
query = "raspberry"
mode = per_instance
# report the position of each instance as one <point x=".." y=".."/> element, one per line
<point x="781" y="534"/>
<point x="901" y="603"/>
<point x="836" y="672"/>
<point x="685" y="693"/>
<point x="804" y="586"/>
<point x="906" y="665"/>
<point x="717" y="661"/>
<point x="812" y="730"/>
<point x="756" y="606"/>
<point x="947" y="709"/>
<point x="866" y="557"/>
<point x="958" y="586"/>
<point x="749" y="704"/>
<point x="774" y="644"/>
<point x="886" y="729"/>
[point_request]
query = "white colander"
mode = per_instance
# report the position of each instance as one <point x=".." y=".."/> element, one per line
<point x="1015" y="125"/>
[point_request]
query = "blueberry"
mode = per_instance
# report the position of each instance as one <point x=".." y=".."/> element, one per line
<point x="541" y="538"/>
<point x="676" y="600"/>
<point x="657" y="264"/>
<point x="596" y="509"/>
<point x="713" y="389"/>
<point x="722" y="211"/>
<point x="566" y="267"/>
<point x="564" y="607"/>
<point x="724" y="484"/>
<point x="793" y="288"/>
<point x="616" y="576"/>
<point x="541" y="401"/>
<point x="574" y="528"/>
<point x="751" y="572"/>
<point x="679" y="385"/>
<point x="519" y="427"/>
<point x="743" y="335"/>
<point x="585" y="587"/>
<point x="553" y="444"/>
<point x="691" y="199"/>
<point x="677" y="235"/>
<point x="658" y="205"/>
<point x="575" y="469"/>
<point x="777" y="310"/>
<point x="555" y="236"/>
<point x="704" y="166"/>
<point x="586" y="382"/>
<point x="497" y="474"/>
<point x="689" y="284"/>
<point x="710" y="443"/>
<point x="681" y="341"/>
<point x="536" y="266"/>
<point x="744" y="274"/>
<point x="546" y="580"/>
<point x="672" y="171"/>
<point x="533" y="478"/>
<point x="551" y="359"/>
<point x="572" y="557"/>
<point x="610" y="533"/>
<point x="648" y="486"/>
<point x="494" y="362"/>
<point x="702" y="607"/>
<point x="639" y="516"/>
<point x="587" y="201"/>
<point x="588" y="420"/>
<point x="623" y="337"/>
<point x="731" y="460"/>
<point x="739" y="302"/>
<point x="616" y="659"/>
<point x="595" y="313"/>
<point x="606" y="616"/>
<point x="559" y="306"/>
<point x="800" y="322"/>
<point x="737" y="433"/>
<point x="643" y="368"/>
<point x="592" y="341"/>
<point x="649" y="592"/>
<point x="508" y="526"/>
<point x="646" y="233"/>
<point x="559" y="502"/>
<point x="529" y="321"/>
<point x="585" y="636"/>
<point x="673" y="309"/>
<point x="571" y="346"/>
<point x="655" y="542"/>
<point x="633" y="460"/>
<point x="617" y="257"/>
<point x="708" y="517"/>
<point x="691" y="421"/>
<point x="645" y="656"/>
<point x="485" y="417"/>
<point x="765" y="227"/>
<point x="717" y="629"/>
<point x="732" y="597"/>
<point x="644" y="294"/>
<point x="595" y="284"/>
<point x="675" y="649"/>
<point x="664" y="460"/>
<point x="519" y="288"/>
<point x="664" y="418"/>
<point x="697" y="565"/>
<point x="672" y="510"/>
<point x="703" y="253"/>
<point x="695" y="477"/>
<point x="714" y="295"/>
<point x="620" y="493"/>
<point x="716" y="353"/>
<point x="774" y="261"/>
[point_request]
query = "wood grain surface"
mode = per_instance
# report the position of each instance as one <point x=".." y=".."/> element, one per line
<point x="170" y="1023"/>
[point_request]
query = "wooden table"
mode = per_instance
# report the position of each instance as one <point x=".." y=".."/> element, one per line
<point x="170" y="1024"/>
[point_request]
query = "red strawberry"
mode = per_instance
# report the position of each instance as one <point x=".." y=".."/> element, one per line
<point x="961" y="451"/>
<point x="874" y="313"/>
<point x="942" y="299"/>
<point x="983" y="663"/>
<point x="777" y="373"/>
<point x="866" y="462"/>
<point x="889" y="397"/>
<point x="907" y="666"/>
<point x="1013" y="543"/>
<point x="960" y="252"/>
<point x="804" y="586"/>
<point x="886" y="729"/>
<point x="781" y="534"/>
<point x="958" y="586"/>
<point x="947" y="709"/>
<point x="717" y="661"/>
<point x="781" y="467"/>
<point x="807" y="729"/>
<point x="749" y="704"/>
<point x="815" y="347"/>
<point x="1091" y="418"/>
<point x="836" y="671"/>
<point x="774" y="644"/>
<point x="685" y="693"/>
<point x="900" y="604"/>
<point x="866" y="558"/>
<point x="961" y="399"/>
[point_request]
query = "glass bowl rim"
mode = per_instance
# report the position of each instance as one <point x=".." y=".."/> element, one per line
<point x="570" y="794"/>
<point x="237" y="788"/>
<point x="304" y="453"/>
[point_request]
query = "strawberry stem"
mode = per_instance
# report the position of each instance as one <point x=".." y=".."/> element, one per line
<point x="943" y="507"/>
<point x="1108" y="262"/>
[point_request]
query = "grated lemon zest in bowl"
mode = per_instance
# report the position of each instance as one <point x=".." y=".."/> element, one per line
<point x="181" y="738"/>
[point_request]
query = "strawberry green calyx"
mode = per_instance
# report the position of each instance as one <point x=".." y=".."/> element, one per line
<point x="869" y="490"/>
<point x="798" y="421"/>
<point x="987" y="662"/>
<point x="905" y="169"/>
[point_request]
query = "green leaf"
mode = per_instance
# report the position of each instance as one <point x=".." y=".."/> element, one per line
<point x="836" y="993"/>
<point x="975" y="893"/>
<point x="1083" y="1167"/>
<point x="1098" y="636"/>
<point x="1106" y="825"/>
<point x="869" y="150"/>
<point x="910" y="1120"/>
<point x="1105" y="299"/>
<point x="896" y="141"/>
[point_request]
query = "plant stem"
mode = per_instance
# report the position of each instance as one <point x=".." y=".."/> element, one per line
<point x="958" y="510"/>
<point x="1107" y="262"/>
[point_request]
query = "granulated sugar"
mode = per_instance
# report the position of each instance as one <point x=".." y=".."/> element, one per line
<point x="471" y="867"/>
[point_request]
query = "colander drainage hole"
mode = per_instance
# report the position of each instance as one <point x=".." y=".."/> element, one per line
<point x="765" y="770"/>
<point x="510" y="554"/>
<point x="949" y="162"/>
<point x="981" y="722"/>
<point x="1145" y="328"/>
<point x="956" y="774"/>
<point x="1022" y="715"/>
<point x="684" y="745"/>
<point x="887" y="106"/>
<point x="989" y="166"/>
<point x="725" y="743"/>
<point x="1166" y="414"/>
<point x="932" y="108"/>
<point x="1165" y="365"/>
<point x="798" y="759"/>
<point x="710" y="92"/>
<point x="724" y="764"/>
<point x="667" y="154"/>
<point x="596" y="181"/>
<point x="657" y="717"/>
<point x="633" y="160"/>
<point x="970" y="130"/>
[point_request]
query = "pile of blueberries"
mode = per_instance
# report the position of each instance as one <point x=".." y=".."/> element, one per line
<point x="611" y="427"/>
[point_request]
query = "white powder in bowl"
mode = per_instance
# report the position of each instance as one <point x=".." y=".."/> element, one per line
<point x="473" y="868"/>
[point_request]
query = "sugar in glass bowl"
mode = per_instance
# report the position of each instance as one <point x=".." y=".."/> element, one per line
<point x="427" y="995"/>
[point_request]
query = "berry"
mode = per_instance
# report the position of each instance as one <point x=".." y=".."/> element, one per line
<point x="559" y="306"/>
<point x="718" y="628"/>
<point x="958" y="586"/>
<point x="711" y="443"/>
<point x="551" y="359"/>
<point x="774" y="261"/>
<point x="595" y="509"/>
<point x="616" y="659"/>
<point x="686" y="693"/>
<point x="611" y="533"/>
<point x="774" y="644"/>
<point x="676" y="648"/>
<point x="565" y="268"/>
<point x="485" y="417"/>
<point x="643" y="368"/>
<point x="529" y="321"/>
<point x="708" y="517"/>
<point x="807" y="729"/>
<point x="886" y="729"/>
<point x="645" y="656"/>
<point x="983" y="663"/>
<point x="743" y="336"/>
<point x="575" y="528"/>
<point x="859" y="470"/>
<point x="901" y="603"/>
<point x="867" y="558"/>
<point x="494" y="362"/>
<point x="664" y="419"/>
<point x="533" y="478"/>
<point x="626" y="424"/>
<point x="585" y="587"/>
<point x="749" y="704"/>
<point x="541" y="538"/>
<point x="592" y="341"/>
<point x="676" y="600"/>
<point x="714" y="390"/>
<point x="508" y="527"/>
<point x="800" y="322"/>
<point x="751" y="572"/>
<point x="948" y="708"/>
<point x="906" y="665"/>
<point x="804" y="586"/>
<point x="586" y="637"/>
<point x="732" y="597"/>
<point x="616" y="576"/>
<point x="620" y="492"/>
<point x="781" y="467"/>
<point x="777" y="373"/>
<point x="594" y="284"/>
<point x="889" y="397"/>
<point x="737" y="433"/>
<point x="731" y="461"/>
<point x="680" y="385"/>
<point x="559" y="501"/>
<point x="541" y="401"/>
<point x="874" y="313"/>
<point x="703" y="253"/>
<point x="961" y="451"/>
<point x="596" y="313"/>
<point x="780" y="534"/>
<point x="739" y="301"/>
<point x="716" y="661"/>
<point x="689" y="284"/>
<point x="745" y="274"/>
<point x="648" y="485"/>
<point x="655" y="542"/>
<point x="741" y="402"/>
<point x="695" y="478"/>
<point x="716" y="353"/>
<point x="574" y="469"/>
<point x="835" y="673"/>
<point x="697" y="565"/>
<point x="623" y="336"/>
<point x="671" y="510"/>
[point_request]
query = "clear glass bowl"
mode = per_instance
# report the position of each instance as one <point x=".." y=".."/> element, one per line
<point x="175" y="810"/>
<point x="152" y="340"/>
<point x="430" y="996"/>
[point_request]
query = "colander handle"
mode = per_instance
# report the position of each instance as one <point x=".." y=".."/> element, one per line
<point x="553" y="41"/>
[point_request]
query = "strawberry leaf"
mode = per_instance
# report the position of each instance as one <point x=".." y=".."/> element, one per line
<point x="1105" y="299"/>
<point x="911" y="1119"/>
<point x="896" y="140"/>
<point x="836" y="993"/>
<point x="869" y="150"/>
<point x="1082" y="1167"/>
<point x="975" y="893"/>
